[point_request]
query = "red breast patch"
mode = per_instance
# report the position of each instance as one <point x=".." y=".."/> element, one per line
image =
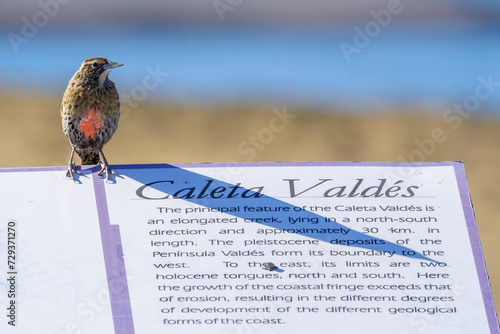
<point x="91" y="124"/>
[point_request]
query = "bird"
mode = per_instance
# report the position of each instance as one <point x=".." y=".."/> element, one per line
<point x="90" y="111"/>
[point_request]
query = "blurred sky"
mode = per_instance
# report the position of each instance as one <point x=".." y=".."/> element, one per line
<point x="359" y="55"/>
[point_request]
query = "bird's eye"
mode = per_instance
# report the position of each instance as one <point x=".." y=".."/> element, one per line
<point x="94" y="65"/>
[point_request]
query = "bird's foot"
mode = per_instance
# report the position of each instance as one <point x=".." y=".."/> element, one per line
<point x="106" y="170"/>
<point x="71" y="170"/>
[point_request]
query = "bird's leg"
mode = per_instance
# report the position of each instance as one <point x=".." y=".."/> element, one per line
<point x="105" y="167"/>
<point x="72" y="166"/>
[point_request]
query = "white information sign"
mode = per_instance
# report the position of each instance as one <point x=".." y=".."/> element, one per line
<point x="243" y="248"/>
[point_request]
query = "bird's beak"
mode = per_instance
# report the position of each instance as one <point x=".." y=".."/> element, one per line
<point x="111" y="64"/>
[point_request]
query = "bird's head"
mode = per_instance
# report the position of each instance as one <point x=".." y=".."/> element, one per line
<point x="97" y="69"/>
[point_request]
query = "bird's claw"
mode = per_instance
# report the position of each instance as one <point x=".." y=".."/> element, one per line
<point x="108" y="171"/>
<point x="71" y="170"/>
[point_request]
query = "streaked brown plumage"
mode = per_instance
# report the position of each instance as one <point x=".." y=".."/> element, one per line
<point x="90" y="112"/>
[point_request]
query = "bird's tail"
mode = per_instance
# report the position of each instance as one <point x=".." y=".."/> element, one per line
<point x="89" y="158"/>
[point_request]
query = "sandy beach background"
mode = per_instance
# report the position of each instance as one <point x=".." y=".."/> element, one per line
<point x="31" y="134"/>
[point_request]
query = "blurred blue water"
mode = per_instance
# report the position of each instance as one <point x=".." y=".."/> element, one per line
<point x="404" y="67"/>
